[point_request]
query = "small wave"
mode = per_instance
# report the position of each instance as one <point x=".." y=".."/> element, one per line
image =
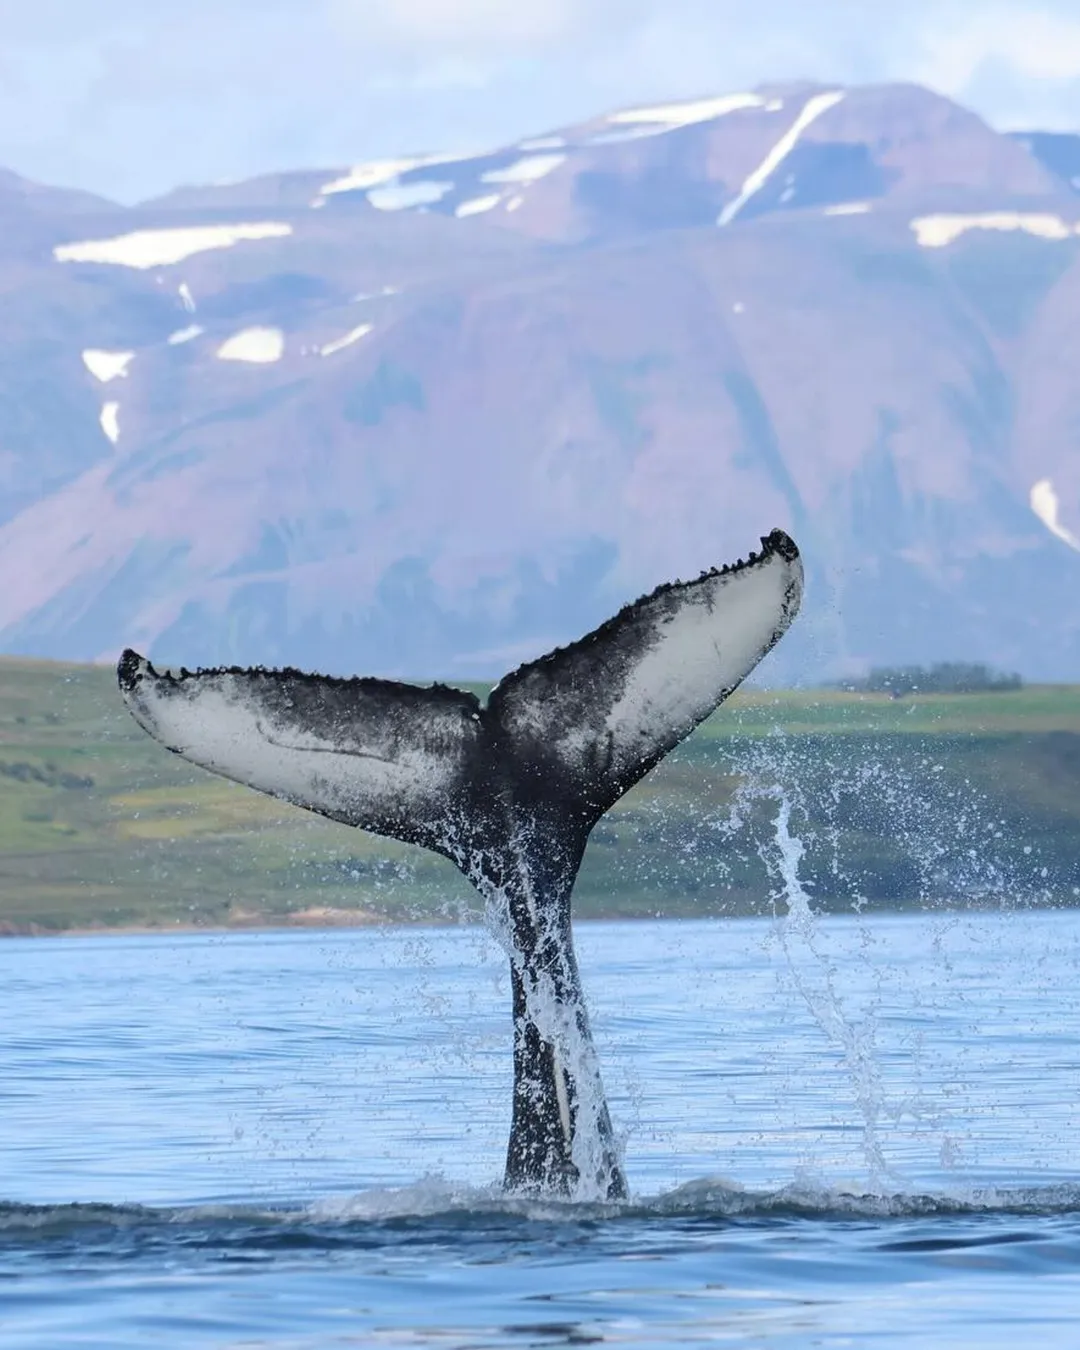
<point x="432" y="1197"/>
<point x="435" y="1201"/>
<point x="721" y="1198"/>
<point x="58" y="1219"/>
<point x="706" y="1197"/>
<point x="72" y="1219"/>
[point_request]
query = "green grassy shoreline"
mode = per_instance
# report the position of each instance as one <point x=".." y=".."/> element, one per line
<point x="899" y="803"/>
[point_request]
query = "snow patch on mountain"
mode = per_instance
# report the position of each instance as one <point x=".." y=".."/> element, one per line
<point x="184" y="334"/>
<point x="526" y="170"/>
<point x="476" y="205"/>
<point x="1044" y="502"/>
<point x="941" y="230"/>
<point x="811" y="111"/>
<point x="105" y="365"/>
<point x="376" y="172"/>
<point x="260" y="346"/>
<point x="144" y="249"/>
<point x="402" y="196"/>
<point x="110" y="420"/>
<point x="361" y="296"/>
<point x="848" y="209"/>
<point x="622" y="134"/>
<point x="353" y="335"/>
<point x="663" y="117"/>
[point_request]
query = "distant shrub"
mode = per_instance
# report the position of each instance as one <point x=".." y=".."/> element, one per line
<point x="48" y="775"/>
<point x="947" y="677"/>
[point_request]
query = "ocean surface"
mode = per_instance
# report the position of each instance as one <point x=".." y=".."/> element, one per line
<point x="838" y="1132"/>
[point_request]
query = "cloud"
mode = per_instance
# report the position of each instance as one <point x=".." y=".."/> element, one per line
<point x="1035" y="44"/>
<point x="129" y="98"/>
<point x="1018" y="65"/>
<point x="473" y="24"/>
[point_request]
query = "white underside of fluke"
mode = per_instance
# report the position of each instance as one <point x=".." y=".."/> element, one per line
<point x="703" y="649"/>
<point x="248" y="727"/>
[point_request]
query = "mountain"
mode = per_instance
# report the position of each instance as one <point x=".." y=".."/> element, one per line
<point x="433" y="415"/>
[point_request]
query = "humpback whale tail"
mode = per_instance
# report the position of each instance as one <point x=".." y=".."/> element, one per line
<point x="509" y="791"/>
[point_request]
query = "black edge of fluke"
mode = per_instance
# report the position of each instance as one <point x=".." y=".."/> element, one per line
<point x="776" y="541"/>
<point x="132" y="668"/>
<point x="127" y="670"/>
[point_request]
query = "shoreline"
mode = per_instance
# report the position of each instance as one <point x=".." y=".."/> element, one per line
<point x="329" y="919"/>
<point x="316" y="916"/>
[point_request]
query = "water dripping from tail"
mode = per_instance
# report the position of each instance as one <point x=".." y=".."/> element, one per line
<point x="561" y="1142"/>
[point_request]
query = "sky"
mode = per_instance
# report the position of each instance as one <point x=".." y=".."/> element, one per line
<point x="129" y="98"/>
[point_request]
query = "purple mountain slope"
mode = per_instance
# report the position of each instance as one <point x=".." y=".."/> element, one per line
<point x="431" y="416"/>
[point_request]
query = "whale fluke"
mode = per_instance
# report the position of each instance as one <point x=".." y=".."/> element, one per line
<point x="508" y="791"/>
<point x="385" y="756"/>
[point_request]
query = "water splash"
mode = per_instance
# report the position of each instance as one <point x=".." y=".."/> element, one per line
<point x="869" y="821"/>
<point x="809" y="967"/>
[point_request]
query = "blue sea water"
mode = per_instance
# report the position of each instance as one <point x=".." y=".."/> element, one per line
<point x="838" y="1132"/>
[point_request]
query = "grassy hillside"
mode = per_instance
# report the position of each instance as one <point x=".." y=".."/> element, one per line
<point x="928" y="799"/>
